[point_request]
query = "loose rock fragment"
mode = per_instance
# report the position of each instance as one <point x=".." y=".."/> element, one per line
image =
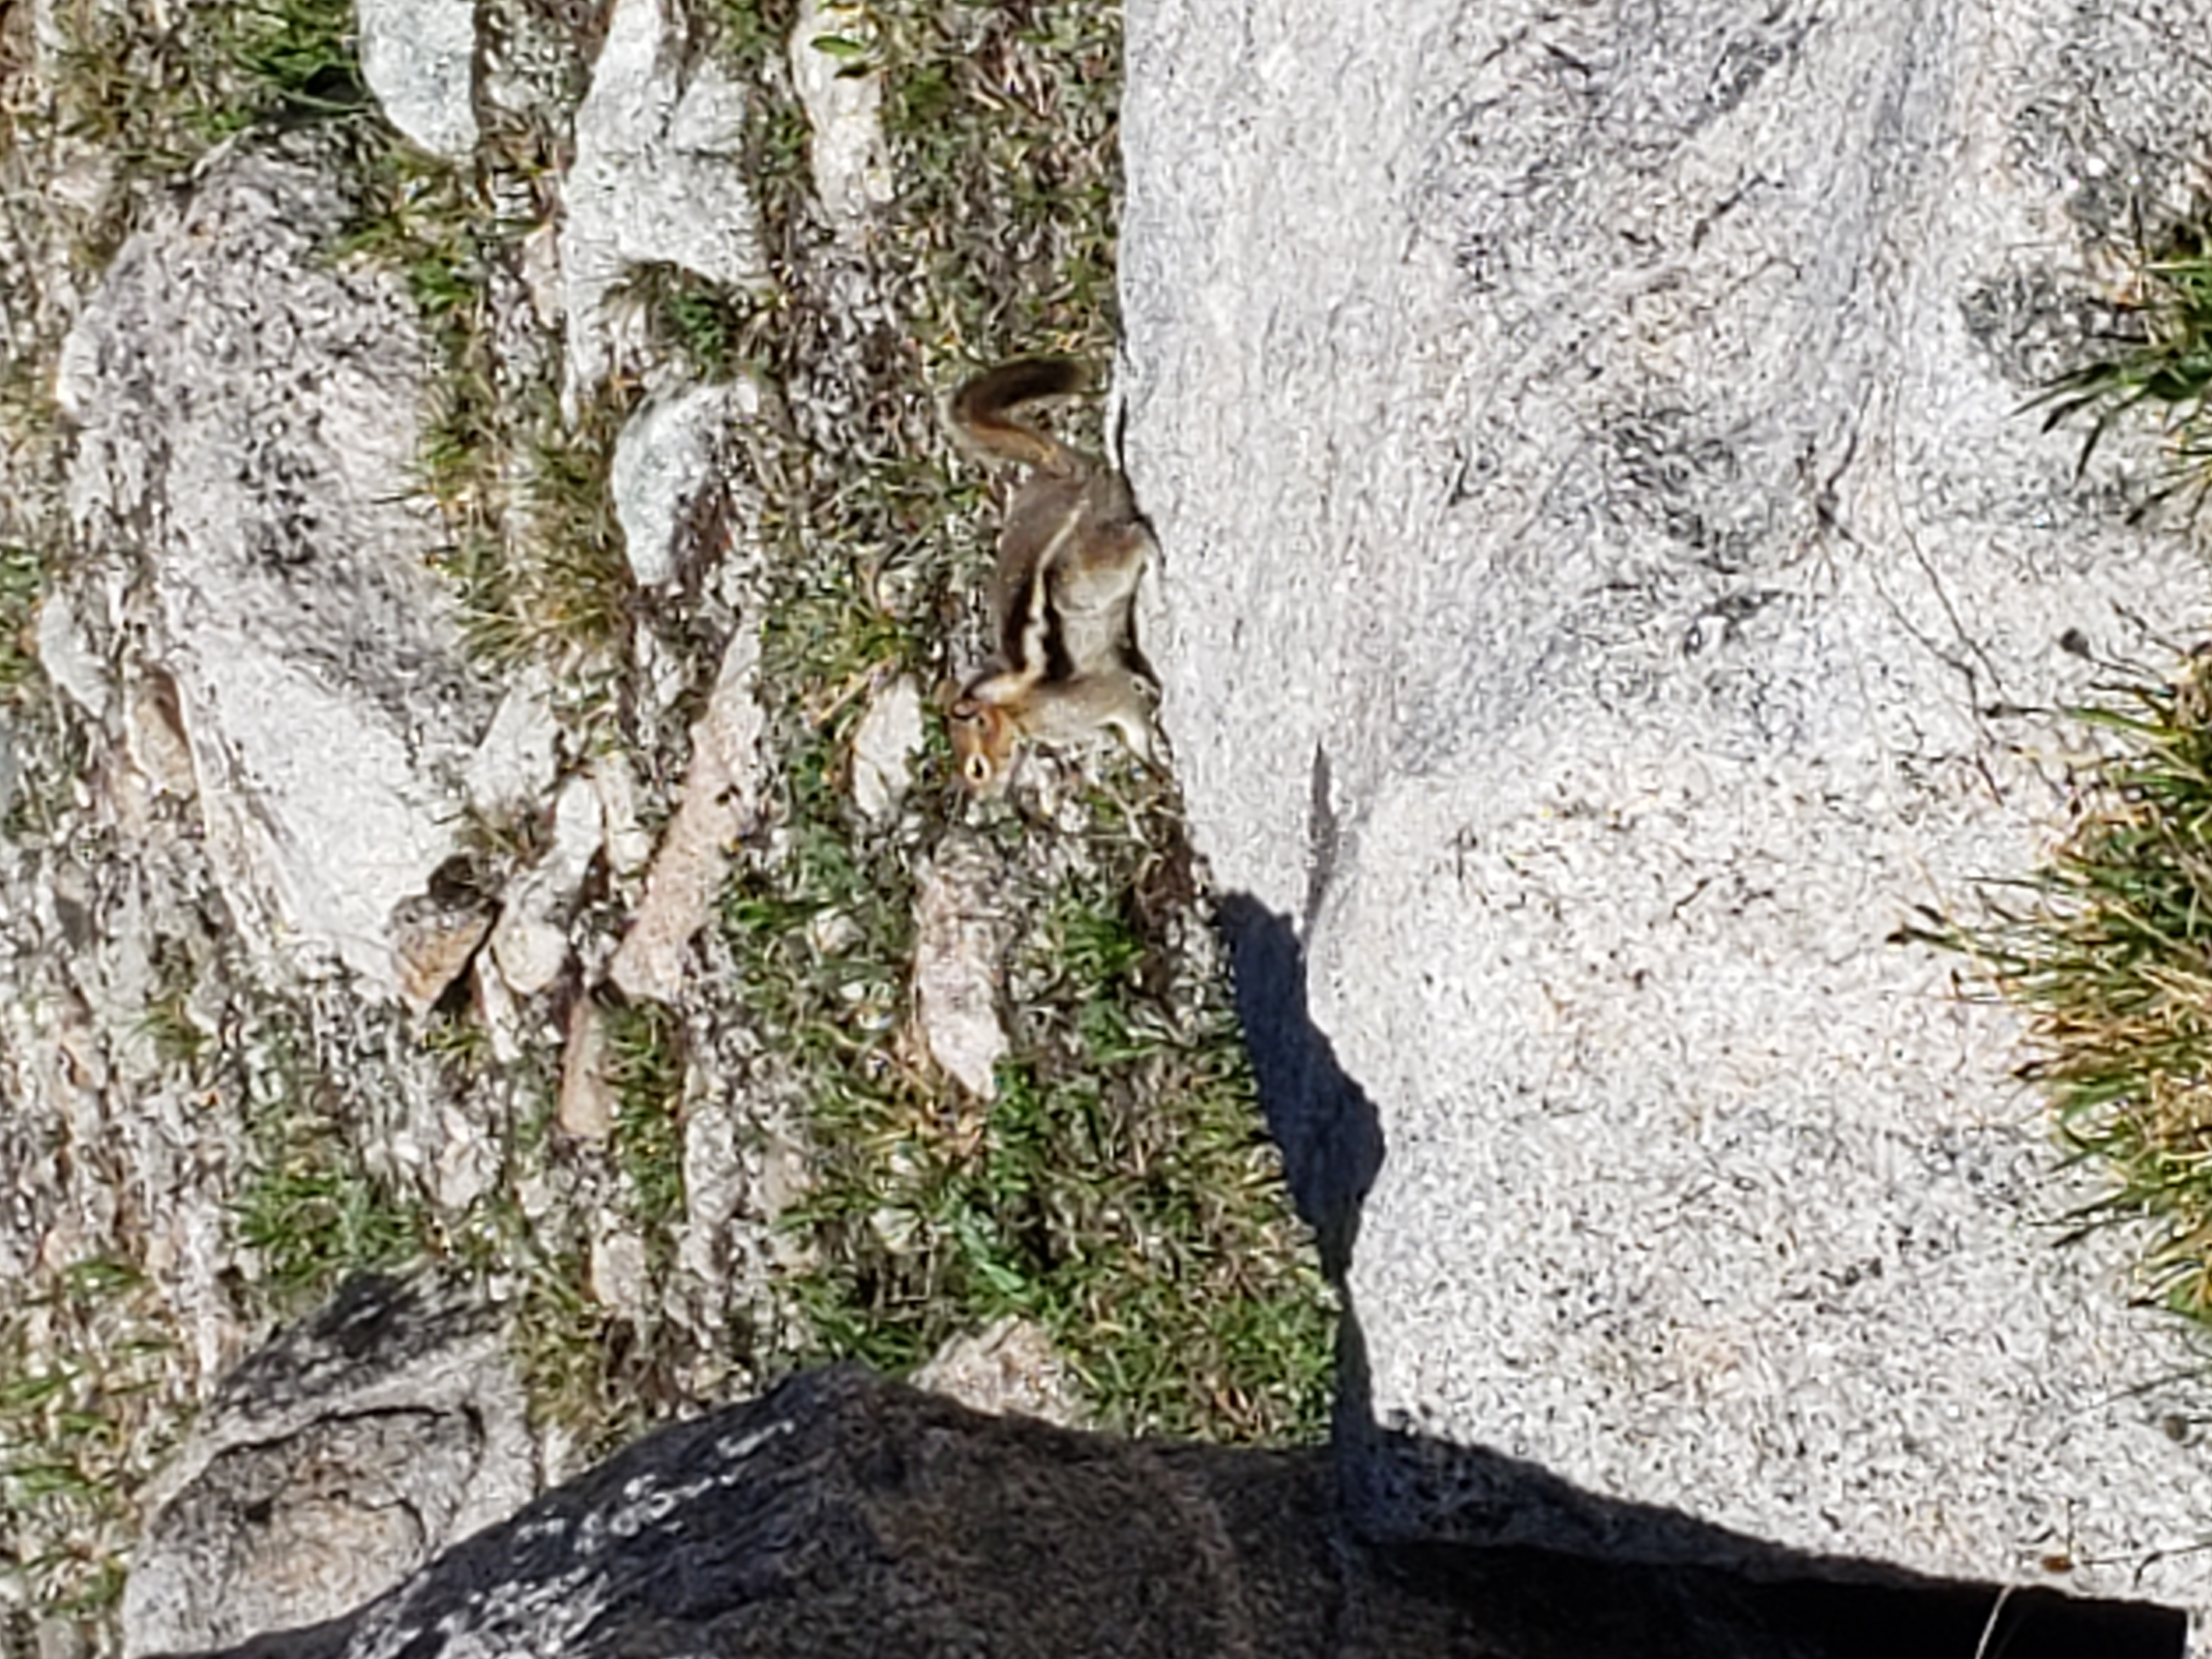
<point x="418" y="57"/>
<point x="153" y="737"/>
<point x="664" y="459"/>
<point x="844" y="106"/>
<point x="432" y="944"/>
<point x="659" y="177"/>
<point x="468" y="1162"/>
<point x="714" y="1187"/>
<point x="721" y="802"/>
<point x="1009" y="1368"/>
<point x="619" y="1280"/>
<point x="960" y="938"/>
<point x="586" y="1107"/>
<point x="67" y="657"/>
<point x="883" y="746"/>
<point x="629" y="847"/>
<point x="530" y="943"/>
<point x="514" y="765"/>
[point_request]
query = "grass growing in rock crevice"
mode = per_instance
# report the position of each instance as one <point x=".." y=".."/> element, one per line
<point x="2160" y="362"/>
<point x="2107" y="947"/>
<point x="1118" y="1190"/>
<point x="79" y="1435"/>
<point x="2108" y="950"/>
<point x="153" y="93"/>
<point x="531" y="545"/>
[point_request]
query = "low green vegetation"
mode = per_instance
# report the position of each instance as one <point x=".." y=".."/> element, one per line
<point x="313" y="1215"/>
<point x="1118" y="1189"/>
<point x="78" y="1439"/>
<point x="154" y="94"/>
<point x="1003" y="123"/>
<point x="2160" y="362"/>
<point x="22" y="585"/>
<point x="2107" y="947"/>
<point x="530" y="544"/>
<point x="692" y="321"/>
<point x="645" y="1066"/>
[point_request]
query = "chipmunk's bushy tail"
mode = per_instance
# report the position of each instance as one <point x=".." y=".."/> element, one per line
<point x="982" y="411"/>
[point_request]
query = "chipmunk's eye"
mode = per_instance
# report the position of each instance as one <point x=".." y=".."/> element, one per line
<point x="978" y="769"/>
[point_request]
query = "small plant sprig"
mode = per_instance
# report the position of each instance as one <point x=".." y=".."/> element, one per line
<point x="2165" y="359"/>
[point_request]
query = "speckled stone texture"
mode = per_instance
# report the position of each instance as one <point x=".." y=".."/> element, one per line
<point x="1606" y="582"/>
<point x="330" y="1466"/>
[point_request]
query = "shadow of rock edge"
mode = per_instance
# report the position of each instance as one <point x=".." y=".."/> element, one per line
<point x="1466" y="1520"/>
<point x="1327" y="1129"/>
<point x="845" y="1514"/>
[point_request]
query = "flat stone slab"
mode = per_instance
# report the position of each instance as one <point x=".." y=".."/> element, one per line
<point x="1603" y="570"/>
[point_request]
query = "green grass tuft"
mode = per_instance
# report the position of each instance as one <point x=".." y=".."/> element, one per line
<point x="2107" y="946"/>
<point x="693" y="321"/>
<point x="2108" y="950"/>
<point x="645" y="1063"/>
<point x="80" y="1435"/>
<point x="2162" y="358"/>
<point x="156" y="94"/>
<point x="24" y="577"/>
<point x="1119" y="1190"/>
<point x="315" y="1216"/>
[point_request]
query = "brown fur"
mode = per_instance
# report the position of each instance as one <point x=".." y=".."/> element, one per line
<point x="1070" y="556"/>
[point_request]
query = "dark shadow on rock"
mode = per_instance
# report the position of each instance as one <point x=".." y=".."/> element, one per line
<point x="1468" y="1521"/>
<point x="1328" y="1132"/>
<point x="333" y="1462"/>
<point x="844" y="1515"/>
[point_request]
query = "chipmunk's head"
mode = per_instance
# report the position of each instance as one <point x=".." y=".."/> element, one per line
<point x="982" y="744"/>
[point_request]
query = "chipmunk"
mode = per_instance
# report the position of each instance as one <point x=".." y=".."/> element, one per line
<point x="1069" y="559"/>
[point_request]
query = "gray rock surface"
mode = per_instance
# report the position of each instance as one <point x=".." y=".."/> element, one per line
<point x="1010" y="1366"/>
<point x="960" y="933"/>
<point x="247" y="411"/>
<point x="1604" y="571"/>
<point x="844" y="98"/>
<point x="517" y="763"/>
<point x="656" y="178"/>
<point x="530" y="943"/>
<point x="841" y="1516"/>
<point x="329" y="1466"/>
<point x="419" y="58"/>
<point x="667" y="455"/>
<point x="885" y="746"/>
